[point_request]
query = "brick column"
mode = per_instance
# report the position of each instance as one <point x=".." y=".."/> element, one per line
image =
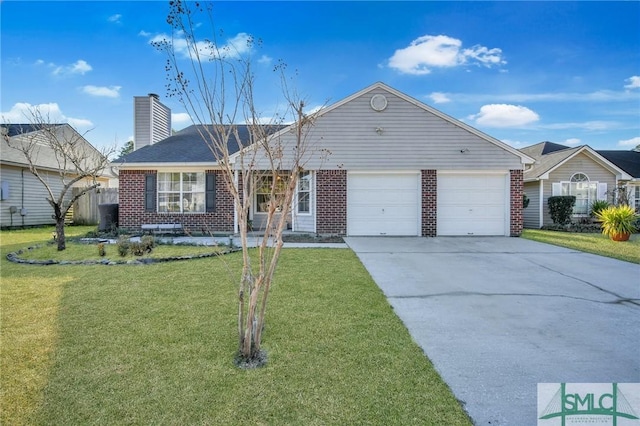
<point x="429" y="202"/>
<point x="516" y="190"/>
<point x="331" y="202"/>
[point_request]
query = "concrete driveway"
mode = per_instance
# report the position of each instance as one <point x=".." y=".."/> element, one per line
<point x="499" y="315"/>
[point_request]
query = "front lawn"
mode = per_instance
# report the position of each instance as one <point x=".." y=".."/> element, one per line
<point x="591" y="243"/>
<point x="154" y="344"/>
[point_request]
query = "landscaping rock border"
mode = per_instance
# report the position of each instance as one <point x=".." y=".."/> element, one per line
<point x="15" y="258"/>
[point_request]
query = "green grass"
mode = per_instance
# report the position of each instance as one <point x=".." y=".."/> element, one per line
<point x="628" y="251"/>
<point x="154" y="344"/>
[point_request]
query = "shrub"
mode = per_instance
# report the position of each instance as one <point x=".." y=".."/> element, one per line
<point x="561" y="208"/>
<point x="597" y="206"/>
<point x="123" y="245"/>
<point x="148" y="243"/>
<point x="137" y="248"/>
<point x="525" y="201"/>
<point x="101" y="249"/>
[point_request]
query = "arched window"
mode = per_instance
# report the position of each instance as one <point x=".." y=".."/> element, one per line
<point x="585" y="191"/>
<point x="579" y="177"/>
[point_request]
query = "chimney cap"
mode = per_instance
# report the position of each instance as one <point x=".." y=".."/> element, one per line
<point x="153" y="95"/>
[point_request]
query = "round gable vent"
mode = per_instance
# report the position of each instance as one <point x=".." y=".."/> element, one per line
<point x="378" y="102"/>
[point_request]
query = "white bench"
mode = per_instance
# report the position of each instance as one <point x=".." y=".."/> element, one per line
<point x="162" y="228"/>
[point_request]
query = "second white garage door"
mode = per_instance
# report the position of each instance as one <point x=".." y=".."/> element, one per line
<point x="472" y="204"/>
<point x="383" y="204"/>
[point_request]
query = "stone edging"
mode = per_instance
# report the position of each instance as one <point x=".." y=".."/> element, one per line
<point x="15" y="258"/>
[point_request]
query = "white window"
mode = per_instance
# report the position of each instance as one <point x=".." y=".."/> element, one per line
<point x="304" y="193"/>
<point x="585" y="191"/>
<point x="181" y="192"/>
<point x="636" y="198"/>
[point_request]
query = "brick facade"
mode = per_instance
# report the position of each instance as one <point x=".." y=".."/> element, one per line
<point x="331" y="202"/>
<point x="429" y="216"/>
<point x="132" y="213"/>
<point x="516" y="189"/>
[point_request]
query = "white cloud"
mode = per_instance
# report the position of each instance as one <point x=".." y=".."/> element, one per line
<point x="596" y="96"/>
<point x="503" y="115"/>
<point x="21" y="113"/>
<point x="634" y="82"/>
<point x="515" y="144"/>
<point x="78" y="67"/>
<point x="427" y="52"/>
<point x="572" y="142"/>
<point x="143" y="33"/>
<point x="439" y="98"/>
<point x="264" y="59"/>
<point x="484" y="56"/>
<point x="116" y="19"/>
<point x="596" y="125"/>
<point x="107" y="92"/>
<point x="630" y="142"/>
<point x="180" y="118"/>
<point x="234" y="47"/>
<point x="79" y="123"/>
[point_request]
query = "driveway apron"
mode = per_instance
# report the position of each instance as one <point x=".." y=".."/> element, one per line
<point x="499" y="315"/>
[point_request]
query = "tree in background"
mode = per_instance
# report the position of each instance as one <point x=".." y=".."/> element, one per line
<point x="126" y="149"/>
<point x="216" y="85"/>
<point x="78" y="164"/>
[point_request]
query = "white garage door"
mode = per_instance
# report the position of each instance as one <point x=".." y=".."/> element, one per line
<point x="383" y="204"/>
<point x="472" y="204"/>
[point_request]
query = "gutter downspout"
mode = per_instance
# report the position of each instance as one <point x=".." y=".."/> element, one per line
<point x="541" y="204"/>
<point x="22" y="195"/>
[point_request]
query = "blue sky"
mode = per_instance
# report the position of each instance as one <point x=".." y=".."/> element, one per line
<point x="523" y="72"/>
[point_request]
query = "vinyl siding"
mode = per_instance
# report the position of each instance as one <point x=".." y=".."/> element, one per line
<point x="142" y="121"/>
<point x="532" y="213"/>
<point x="581" y="163"/>
<point x="152" y="121"/>
<point x="412" y="138"/>
<point x="32" y="197"/>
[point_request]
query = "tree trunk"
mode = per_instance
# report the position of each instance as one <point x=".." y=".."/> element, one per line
<point x="60" y="238"/>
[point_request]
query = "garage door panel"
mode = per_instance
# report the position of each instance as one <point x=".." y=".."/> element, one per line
<point x="383" y="204"/>
<point x="471" y="204"/>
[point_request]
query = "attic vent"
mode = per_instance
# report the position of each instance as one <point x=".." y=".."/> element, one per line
<point x="378" y="102"/>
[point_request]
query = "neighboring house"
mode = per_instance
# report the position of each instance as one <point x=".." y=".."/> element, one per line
<point x="23" y="197"/>
<point x="629" y="161"/>
<point x="562" y="170"/>
<point x="397" y="167"/>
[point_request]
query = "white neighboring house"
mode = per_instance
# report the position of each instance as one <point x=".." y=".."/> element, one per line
<point x="23" y="197"/>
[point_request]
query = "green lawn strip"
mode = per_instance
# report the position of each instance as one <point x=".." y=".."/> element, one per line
<point x="628" y="251"/>
<point x="155" y="345"/>
<point x="29" y="302"/>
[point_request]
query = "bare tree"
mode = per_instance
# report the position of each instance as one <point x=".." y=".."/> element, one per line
<point x="47" y="146"/>
<point x="215" y="84"/>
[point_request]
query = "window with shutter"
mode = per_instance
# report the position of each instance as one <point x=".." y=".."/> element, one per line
<point x="150" y="192"/>
<point x="211" y="192"/>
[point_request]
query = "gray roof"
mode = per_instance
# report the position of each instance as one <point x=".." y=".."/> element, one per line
<point x="42" y="155"/>
<point x="19" y="129"/>
<point x="547" y="155"/>
<point x="629" y="161"/>
<point x="188" y="146"/>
